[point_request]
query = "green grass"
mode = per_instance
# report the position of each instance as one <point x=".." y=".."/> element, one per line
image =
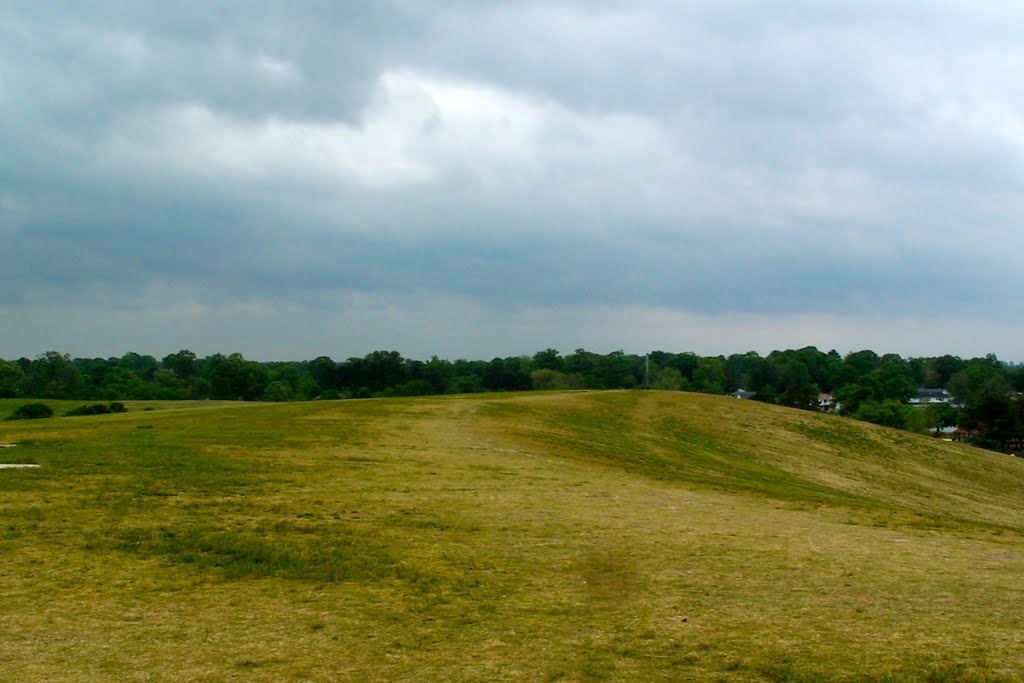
<point x="289" y="549"/>
<point x="555" y="536"/>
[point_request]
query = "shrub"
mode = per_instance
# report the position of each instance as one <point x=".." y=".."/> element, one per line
<point x="32" y="411"/>
<point x="95" y="409"/>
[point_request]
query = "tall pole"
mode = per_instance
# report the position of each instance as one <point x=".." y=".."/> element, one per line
<point x="647" y="371"/>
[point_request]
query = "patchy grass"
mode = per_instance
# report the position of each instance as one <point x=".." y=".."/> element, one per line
<point x="561" y="537"/>
<point x="289" y="549"/>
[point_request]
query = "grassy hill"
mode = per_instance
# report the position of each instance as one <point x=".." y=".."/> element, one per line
<point x="535" y="537"/>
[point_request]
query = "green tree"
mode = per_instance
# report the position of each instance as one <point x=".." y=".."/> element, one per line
<point x="709" y="375"/>
<point x="140" y="365"/>
<point x="685" y="363"/>
<point x="508" y="374"/>
<point x="749" y="371"/>
<point x="548" y="359"/>
<point x="938" y="371"/>
<point x="324" y="372"/>
<point x="11" y="378"/>
<point x="121" y="383"/>
<point x="854" y="367"/>
<point x="167" y="386"/>
<point x="993" y="412"/>
<point x="438" y="372"/>
<point x="668" y="379"/>
<point x="183" y="364"/>
<point x="93" y="373"/>
<point x="891" y="381"/>
<point x="234" y="378"/>
<point x="917" y="421"/>
<point x="276" y="391"/>
<point x="586" y="365"/>
<point x="795" y="386"/>
<point x="54" y="376"/>
<point x="466" y="376"/>
<point x="289" y="374"/>
<point x="849" y="397"/>
<point x="986" y="374"/>
<point x="821" y="366"/>
<point x="939" y="415"/>
<point x="888" y="413"/>
<point x="415" y="387"/>
<point x="545" y="379"/>
<point x="802" y="396"/>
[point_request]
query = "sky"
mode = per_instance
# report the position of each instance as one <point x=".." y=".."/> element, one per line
<point x="479" y="179"/>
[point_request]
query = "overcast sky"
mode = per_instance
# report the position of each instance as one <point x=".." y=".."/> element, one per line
<point x="480" y="179"/>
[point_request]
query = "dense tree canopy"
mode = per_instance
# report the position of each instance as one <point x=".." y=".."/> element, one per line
<point x="864" y="384"/>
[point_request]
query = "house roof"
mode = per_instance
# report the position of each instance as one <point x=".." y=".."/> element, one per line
<point x="932" y="393"/>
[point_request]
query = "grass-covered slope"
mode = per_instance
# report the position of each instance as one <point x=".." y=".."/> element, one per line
<point x="581" y="536"/>
<point x="743" y="446"/>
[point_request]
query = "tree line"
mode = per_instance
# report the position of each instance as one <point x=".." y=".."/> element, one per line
<point x="866" y="385"/>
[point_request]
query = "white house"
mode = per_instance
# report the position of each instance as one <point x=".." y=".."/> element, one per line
<point x="926" y="397"/>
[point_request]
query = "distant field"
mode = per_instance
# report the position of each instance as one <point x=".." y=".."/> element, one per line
<point x="580" y="536"/>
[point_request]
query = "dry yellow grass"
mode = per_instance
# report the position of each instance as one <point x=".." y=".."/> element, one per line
<point x="579" y="536"/>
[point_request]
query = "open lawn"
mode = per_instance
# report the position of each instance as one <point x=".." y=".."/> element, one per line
<point x="536" y="537"/>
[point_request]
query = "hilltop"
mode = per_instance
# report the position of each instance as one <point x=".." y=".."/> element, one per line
<point x="539" y="536"/>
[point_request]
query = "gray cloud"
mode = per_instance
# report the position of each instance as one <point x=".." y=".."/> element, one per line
<point x="803" y="159"/>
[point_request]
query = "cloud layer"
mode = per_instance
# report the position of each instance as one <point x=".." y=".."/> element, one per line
<point x="488" y="179"/>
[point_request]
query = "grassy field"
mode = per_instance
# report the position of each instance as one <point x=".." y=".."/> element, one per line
<point x="535" y="537"/>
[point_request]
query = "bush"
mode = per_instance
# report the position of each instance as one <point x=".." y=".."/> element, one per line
<point x="97" y="409"/>
<point x="32" y="411"/>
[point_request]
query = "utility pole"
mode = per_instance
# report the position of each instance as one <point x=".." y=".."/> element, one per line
<point x="647" y="371"/>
